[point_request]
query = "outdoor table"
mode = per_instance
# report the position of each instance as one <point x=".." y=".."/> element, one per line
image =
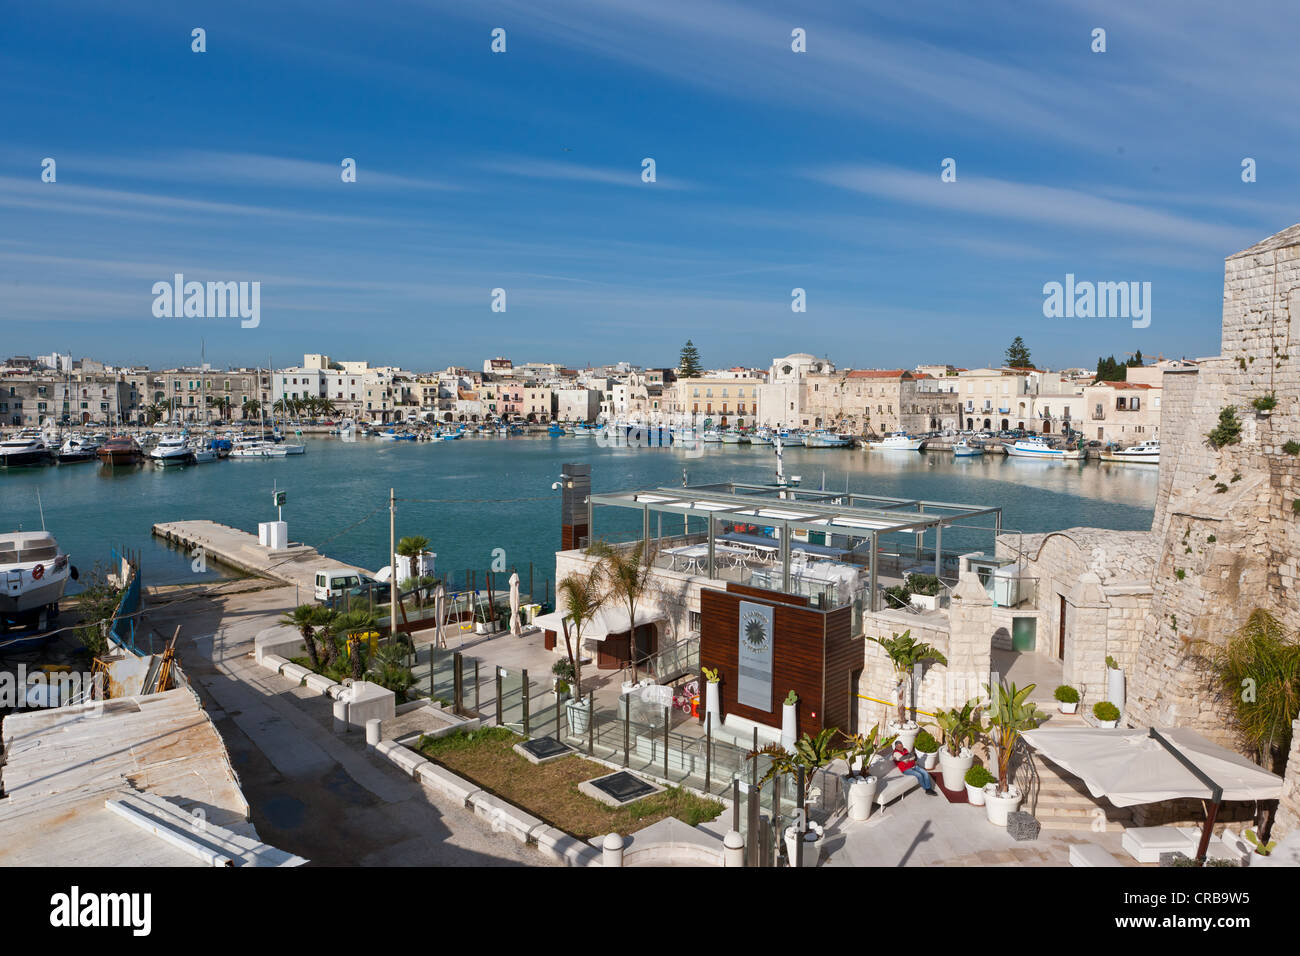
<point x="695" y="557"/>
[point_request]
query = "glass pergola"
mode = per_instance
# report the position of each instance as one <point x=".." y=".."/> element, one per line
<point x="833" y="547"/>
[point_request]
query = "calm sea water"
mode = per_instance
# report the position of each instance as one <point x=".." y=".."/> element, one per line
<point x="338" y="494"/>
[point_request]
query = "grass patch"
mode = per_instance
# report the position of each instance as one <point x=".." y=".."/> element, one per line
<point x="550" y="791"/>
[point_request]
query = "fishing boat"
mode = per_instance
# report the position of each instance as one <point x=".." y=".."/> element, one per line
<point x="1147" y="453"/>
<point x="555" y="430"/>
<point x="121" y="450"/>
<point x="202" y="453"/>
<point x="964" y="449"/>
<point x="760" y="438"/>
<point x="821" y="438"/>
<point x="1038" y="448"/>
<point x="897" y="441"/>
<point x="25" y="448"/>
<point x="78" y="449"/>
<point x="171" y="451"/>
<point x="733" y="437"/>
<point x="292" y="448"/>
<point x="712" y="435"/>
<point x="34" y="572"/>
<point x="791" y="439"/>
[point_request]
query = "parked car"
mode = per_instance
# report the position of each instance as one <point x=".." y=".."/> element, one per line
<point x="370" y="591"/>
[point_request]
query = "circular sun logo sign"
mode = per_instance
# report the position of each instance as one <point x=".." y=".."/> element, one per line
<point x="755" y="631"/>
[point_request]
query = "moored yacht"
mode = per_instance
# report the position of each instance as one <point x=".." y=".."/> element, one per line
<point x="1038" y="448"/>
<point x="121" y="450"/>
<point x="25" y="448"/>
<point x="174" y="450"/>
<point x="821" y="438"/>
<point x="897" y="441"/>
<point x="1147" y="452"/>
<point x="77" y="449"/>
<point x="33" y="574"/>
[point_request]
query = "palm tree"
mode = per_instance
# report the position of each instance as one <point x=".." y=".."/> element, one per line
<point x="581" y="597"/>
<point x="306" y="618"/>
<point x="251" y="408"/>
<point x="1009" y="715"/>
<point x="810" y="753"/>
<point x="326" y="627"/>
<point x="388" y="667"/>
<point x="1257" y="670"/>
<point x="628" y="574"/>
<point x="356" y="625"/>
<point x="905" y="652"/>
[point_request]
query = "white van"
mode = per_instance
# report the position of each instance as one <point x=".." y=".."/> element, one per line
<point x="332" y="584"/>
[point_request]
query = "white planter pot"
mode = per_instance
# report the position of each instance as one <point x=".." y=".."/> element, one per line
<point x="1108" y="724"/>
<point x="862" y="792"/>
<point x="975" y="795"/>
<point x="928" y="760"/>
<point x="1068" y="708"/>
<point x="812" y="846"/>
<point x="480" y="627"/>
<point x="1115" y="688"/>
<point x="713" y="702"/>
<point x="954" y="768"/>
<point x="925" y="602"/>
<point x="996" y="807"/>
<point x="906" y="734"/>
<point x="789" y="720"/>
<point x="579" y="716"/>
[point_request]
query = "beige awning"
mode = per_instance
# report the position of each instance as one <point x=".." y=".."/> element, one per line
<point x="607" y="621"/>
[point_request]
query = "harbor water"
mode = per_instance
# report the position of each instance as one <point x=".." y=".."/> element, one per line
<point x="490" y="499"/>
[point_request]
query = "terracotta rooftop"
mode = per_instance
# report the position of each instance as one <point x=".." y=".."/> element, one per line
<point x="880" y="373"/>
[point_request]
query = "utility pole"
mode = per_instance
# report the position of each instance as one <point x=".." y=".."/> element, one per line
<point x="392" y="563"/>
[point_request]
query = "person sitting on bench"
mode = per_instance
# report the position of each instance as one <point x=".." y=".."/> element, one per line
<point x="905" y="760"/>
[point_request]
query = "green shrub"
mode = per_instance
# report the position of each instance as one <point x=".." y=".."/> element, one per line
<point x="1292" y="448"/>
<point x="925" y="743"/>
<point x="1265" y="403"/>
<point x="563" y="669"/>
<point x="1067" y="694"/>
<point x="1105" y="710"/>
<point x="1110" y="662"/>
<point x="1220" y="488"/>
<point x="1179" y="573"/>
<point x="979" y="777"/>
<point x="791" y="699"/>
<point x="926" y="584"/>
<point x="1211" y="539"/>
<point x="1228" y="431"/>
<point x="1295" y="505"/>
<point x="898" y="596"/>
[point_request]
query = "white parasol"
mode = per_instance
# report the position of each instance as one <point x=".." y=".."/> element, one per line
<point x="514" y="604"/>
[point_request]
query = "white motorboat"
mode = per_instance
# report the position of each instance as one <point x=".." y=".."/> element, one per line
<point x="201" y="453"/>
<point x="1147" y="452"/>
<point x="712" y="436"/>
<point x="791" y="439"/>
<point x="174" y="450"/>
<point x="897" y="441"/>
<point x="33" y="573"/>
<point x="733" y="437"/>
<point x="250" y="448"/>
<point x="964" y="449"/>
<point x="290" y="448"/>
<point x="821" y="438"/>
<point x="25" y="449"/>
<point x="1038" y="448"/>
<point x="77" y="449"/>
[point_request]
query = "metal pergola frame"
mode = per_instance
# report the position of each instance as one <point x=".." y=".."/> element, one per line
<point x="787" y="507"/>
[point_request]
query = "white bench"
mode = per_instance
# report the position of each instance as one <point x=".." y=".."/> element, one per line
<point x="893" y="783"/>
<point x="1145" y="844"/>
<point x="1089" y="854"/>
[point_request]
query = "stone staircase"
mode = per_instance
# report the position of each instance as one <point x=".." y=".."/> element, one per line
<point x="1064" y="803"/>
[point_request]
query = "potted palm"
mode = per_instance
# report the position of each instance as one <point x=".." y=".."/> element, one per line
<point x="961" y="728"/>
<point x="712" y="694"/>
<point x="859" y="785"/>
<point x="976" y="780"/>
<point x="811" y="754"/>
<point x="580" y="596"/>
<point x="1067" y="699"/>
<point x="905" y="652"/>
<point x="1107" y="714"/>
<point x="1010" y="714"/>
<point x="927" y="749"/>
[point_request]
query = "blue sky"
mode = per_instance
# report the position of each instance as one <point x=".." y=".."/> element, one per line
<point x="521" y="171"/>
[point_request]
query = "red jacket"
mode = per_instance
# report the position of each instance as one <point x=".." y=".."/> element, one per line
<point x="905" y="761"/>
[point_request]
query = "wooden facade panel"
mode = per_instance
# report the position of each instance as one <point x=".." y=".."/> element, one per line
<point x="798" y="659"/>
<point x="844" y="656"/>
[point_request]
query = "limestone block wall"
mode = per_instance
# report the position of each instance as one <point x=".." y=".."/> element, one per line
<point x="1231" y="537"/>
<point x="1288" y="814"/>
<point x="878" y="678"/>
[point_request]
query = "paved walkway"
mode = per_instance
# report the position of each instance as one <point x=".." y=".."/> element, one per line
<point x="313" y="792"/>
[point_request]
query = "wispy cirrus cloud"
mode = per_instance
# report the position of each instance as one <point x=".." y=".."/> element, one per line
<point x="577" y="172"/>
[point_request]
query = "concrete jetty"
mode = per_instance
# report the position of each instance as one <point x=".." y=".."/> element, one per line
<point x="296" y="564"/>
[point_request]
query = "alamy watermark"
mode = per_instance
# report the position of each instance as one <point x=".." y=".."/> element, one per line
<point x="1099" y="300"/>
<point x="211" y="300"/>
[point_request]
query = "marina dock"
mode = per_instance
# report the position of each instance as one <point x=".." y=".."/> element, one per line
<point x="296" y="564"/>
